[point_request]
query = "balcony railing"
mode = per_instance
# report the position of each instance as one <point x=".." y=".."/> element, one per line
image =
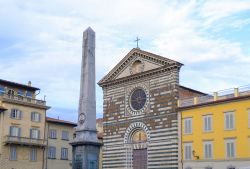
<point x="22" y="99"/>
<point x="24" y="141"/>
<point x="220" y="95"/>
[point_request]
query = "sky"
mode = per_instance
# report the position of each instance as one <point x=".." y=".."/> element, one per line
<point x="41" y="41"/>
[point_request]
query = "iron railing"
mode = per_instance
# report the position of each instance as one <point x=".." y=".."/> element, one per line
<point x="219" y="95"/>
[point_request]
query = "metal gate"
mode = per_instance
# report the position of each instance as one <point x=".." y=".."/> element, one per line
<point x="140" y="158"/>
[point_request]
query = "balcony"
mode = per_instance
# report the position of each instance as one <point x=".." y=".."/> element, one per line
<point x="243" y="91"/>
<point x="24" y="141"/>
<point x="21" y="99"/>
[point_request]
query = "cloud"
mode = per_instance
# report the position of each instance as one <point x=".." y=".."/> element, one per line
<point x="42" y="42"/>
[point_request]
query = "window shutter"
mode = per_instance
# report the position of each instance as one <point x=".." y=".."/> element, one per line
<point x="228" y="150"/>
<point x="231" y="121"/>
<point x="11" y="112"/>
<point x="209" y="123"/>
<point x="19" y="132"/>
<point x="39" y="117"/>
<point x="30" y="133"/>
<point x="11" y="130"/>
<point x="32" y="116"/>
<point x="232" y="150"/>
<point x="226" y="121"/>
<point x="20" y="114"/>
<point x="38" y="134"/>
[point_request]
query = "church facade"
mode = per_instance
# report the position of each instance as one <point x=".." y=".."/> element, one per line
<point x="140" y="112"/>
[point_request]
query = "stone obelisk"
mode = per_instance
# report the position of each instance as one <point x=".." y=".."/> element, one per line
<point x="86" y="146"/>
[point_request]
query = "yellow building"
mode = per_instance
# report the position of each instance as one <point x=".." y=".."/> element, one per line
<point x="22" y="124"/>
<point x="58" y="150"/>
<point x="215" y="130"/>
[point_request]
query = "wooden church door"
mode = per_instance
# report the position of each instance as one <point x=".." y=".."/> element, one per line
<point x="140" y="157"/>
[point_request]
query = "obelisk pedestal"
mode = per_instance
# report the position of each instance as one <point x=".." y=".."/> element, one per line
<point x="86" y="146"/>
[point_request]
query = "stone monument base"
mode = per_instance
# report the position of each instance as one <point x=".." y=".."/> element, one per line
<point x="86" y="154"/>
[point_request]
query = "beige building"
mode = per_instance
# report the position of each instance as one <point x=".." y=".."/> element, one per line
<point x="58" y="150"/>
<point x="22" y="124"/>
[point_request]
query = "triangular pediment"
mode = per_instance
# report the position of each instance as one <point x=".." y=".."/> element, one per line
<point x="135" y="62"/>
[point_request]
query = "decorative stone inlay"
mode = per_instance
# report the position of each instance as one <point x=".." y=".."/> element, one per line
<point x="129" y="109"/>
<point x="82" y="118"/>
<point x="134" y="127"/>
<point x="137" y="66"/>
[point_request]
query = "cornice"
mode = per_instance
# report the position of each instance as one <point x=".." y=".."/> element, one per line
<point x="141" y="75"/>
<point x="130" y="56"/>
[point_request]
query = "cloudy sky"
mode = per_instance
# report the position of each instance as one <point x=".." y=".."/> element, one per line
<point x="41" y="41"/>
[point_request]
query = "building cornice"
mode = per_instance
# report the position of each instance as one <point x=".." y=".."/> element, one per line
<point x="133" y="53"/>
<point x="212" y="103"/>
<point x="141" y="75"/>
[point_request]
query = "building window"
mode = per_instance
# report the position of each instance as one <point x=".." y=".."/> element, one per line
<point x="207" y="121"/>
<point x="188" y="126"/>
<point x="35" y="116"/>
<point x="2" y="91"/>
<point x="15" y="114"/>
<point x="52" y="133"/>
<point x="20" y="95"/>
<point x="13" y="153"/>
<point x="188" y="151"/>
<point x="52" y="152"/>
<point x="29" y="94"/>
<point x="15" y="131"/>
<point x="65" y="135"/>
<point x="34" y="134"/>
<point x="33" y="154"/>
<point x="230" y="148"/>
<point x="229" y="121"/>
<point x="231" y="167"/>
<point x="64" y="153"/>
<point x="208" y="149"/>
<point x="188" y="168"/>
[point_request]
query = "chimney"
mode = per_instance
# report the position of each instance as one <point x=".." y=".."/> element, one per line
<point x="29" y="83"/>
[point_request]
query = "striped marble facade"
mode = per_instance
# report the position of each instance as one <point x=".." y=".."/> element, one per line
<point x="158" y="120"/>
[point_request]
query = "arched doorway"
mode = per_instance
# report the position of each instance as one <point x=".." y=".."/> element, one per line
<point x="136" y="141"/>
<point x="140" y="153"/>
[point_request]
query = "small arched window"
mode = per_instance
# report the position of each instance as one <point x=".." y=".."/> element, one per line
<point x="139" y="137"/>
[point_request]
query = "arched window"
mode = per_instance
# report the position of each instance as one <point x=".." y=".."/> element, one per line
<point x="139" y="137"/>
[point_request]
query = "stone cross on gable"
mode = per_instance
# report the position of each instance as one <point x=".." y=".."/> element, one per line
<point x="137" y="41"/>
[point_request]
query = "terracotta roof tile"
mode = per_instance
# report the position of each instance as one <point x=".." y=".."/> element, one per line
<point x="18" y="84"/>
<point x="49" y="119"/>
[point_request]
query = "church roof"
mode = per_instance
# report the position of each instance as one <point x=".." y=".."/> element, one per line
<point x="160" y="60"/>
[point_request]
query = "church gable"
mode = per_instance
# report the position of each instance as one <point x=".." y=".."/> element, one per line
<point x="135" y="62"/>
